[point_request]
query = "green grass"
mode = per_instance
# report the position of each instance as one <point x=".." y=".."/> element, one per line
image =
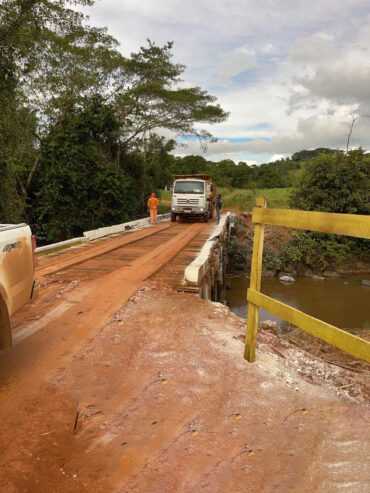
<point x="165" y="195"/>
<point x="244" y="200"/>
<point x="164" y="208"/>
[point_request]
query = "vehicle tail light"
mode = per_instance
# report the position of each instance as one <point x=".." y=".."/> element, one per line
<point x="33" y="240"/>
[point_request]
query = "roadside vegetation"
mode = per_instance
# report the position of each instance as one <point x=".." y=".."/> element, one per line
<point x="78" y="120"/>
<point x="335" y="182"/>
<point x="237" y="199"/>
<point x="245" y="200"/>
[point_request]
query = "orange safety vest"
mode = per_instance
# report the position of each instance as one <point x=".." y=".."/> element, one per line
<point x="153" y="203"/>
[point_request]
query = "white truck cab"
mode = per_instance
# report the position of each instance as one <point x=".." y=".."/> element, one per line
<point x="193" y="196"/>
<point x="17" y="267"/>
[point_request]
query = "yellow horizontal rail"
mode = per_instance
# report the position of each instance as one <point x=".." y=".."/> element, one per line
<point x="324" y="222"/>
<point x="329" y="333"/>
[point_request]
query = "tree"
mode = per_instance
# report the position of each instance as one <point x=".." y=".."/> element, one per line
<point x="354" y="118"/>
<point x="307" y="155"/>
<point x="190" y="165"/>
<point x="335" y="183"/>
<point x="158" y="161"/>
<point x="149" y="96"/>
<point x="49" y="61"/>
<point x="242" y="176"/>
<point x="80" y="186"/>
<point x="58" y="75"/>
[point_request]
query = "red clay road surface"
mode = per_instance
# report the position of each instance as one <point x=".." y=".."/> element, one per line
<point x="163" y="398"/>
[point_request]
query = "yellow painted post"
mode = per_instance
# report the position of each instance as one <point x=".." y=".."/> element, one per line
<point x="255" y="283"/>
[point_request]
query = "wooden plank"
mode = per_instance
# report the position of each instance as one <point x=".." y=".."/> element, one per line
<point x="360" y="348"/>
<point x="68" y="259"/>
<point x="324" y="222"/>
<point x="255" y="283"/>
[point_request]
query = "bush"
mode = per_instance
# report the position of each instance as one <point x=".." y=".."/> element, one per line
<point x="314" y="250"/>
<point x="338" y="183"/>
<point x="335" y="183"/>
<point x="237" y="255"/>
<point x="271" y="259"/>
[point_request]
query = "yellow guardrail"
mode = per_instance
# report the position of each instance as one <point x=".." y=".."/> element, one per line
<point x="324" y="222"/>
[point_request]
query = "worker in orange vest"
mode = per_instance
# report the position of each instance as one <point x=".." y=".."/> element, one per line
<point x="153" y="204"/>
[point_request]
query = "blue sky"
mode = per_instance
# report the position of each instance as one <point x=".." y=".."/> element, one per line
<point x="290" y="72"/>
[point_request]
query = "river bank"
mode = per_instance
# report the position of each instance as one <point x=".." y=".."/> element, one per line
<point x="311" y="255"/>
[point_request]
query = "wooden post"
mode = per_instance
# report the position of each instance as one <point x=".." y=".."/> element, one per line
<point x="255" y="283"/>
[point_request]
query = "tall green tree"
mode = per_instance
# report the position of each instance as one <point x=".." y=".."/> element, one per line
<point x="149" y="96"/>
<point x="80" y="186"/>
<point x="49" y="61"/>
<point x="58" y="76"/>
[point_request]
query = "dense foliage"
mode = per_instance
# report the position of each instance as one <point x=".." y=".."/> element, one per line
<point x="335" y="182"/>
<point x="78" y="121"/>
<point x="226" y="173"/>
<point x="331" y="182"/>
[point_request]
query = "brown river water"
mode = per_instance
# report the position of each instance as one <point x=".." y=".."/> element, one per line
<point x="342" y="302"/>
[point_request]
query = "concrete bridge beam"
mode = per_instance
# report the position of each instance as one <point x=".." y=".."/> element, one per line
<point x="208" y="269"/>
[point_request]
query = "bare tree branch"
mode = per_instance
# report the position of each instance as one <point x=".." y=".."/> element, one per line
<point x="354" y="119"/>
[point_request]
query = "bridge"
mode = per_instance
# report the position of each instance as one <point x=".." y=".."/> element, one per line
<point x="121" y="379"/>
<point x="190" y="257"/>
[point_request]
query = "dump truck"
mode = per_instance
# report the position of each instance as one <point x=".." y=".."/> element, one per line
<point x="193" y="196"/>
<point x="17" y="274"/>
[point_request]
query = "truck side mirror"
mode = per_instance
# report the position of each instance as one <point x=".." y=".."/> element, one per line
<point x="212" y="188"/>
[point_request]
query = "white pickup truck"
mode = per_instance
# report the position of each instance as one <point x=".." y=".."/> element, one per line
<point x="17" y="280"/>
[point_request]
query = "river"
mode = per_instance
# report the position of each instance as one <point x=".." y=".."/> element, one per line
<point x="342" y="302"/>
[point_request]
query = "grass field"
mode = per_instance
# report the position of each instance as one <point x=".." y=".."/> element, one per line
<point x="244" y="200"/>
<point x="166" y="195"/>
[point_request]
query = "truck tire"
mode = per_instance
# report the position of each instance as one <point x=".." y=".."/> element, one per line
<point x="173" y="217"/>
<point x="5" y="330"/>
<point x="206" y="217"/>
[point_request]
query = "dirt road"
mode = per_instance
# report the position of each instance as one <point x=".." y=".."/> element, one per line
<point x="153" y="395"/>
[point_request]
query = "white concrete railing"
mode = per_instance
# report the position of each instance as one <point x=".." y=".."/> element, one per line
<point x="60" y="244"/>
<point x="195" y="271"/>
<point x="119" y="228"/>
<point x="102" y="232"/>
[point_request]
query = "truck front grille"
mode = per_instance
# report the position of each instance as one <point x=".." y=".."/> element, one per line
<point x="188" y="201"/>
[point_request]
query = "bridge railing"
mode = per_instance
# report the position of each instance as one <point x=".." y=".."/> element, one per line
<point x="344" y="224"/>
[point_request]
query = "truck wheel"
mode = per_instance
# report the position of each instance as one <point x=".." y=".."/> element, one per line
<point x="5" y="330"/>
<point x="173" y="217"/>
<point x="206" y="217"/>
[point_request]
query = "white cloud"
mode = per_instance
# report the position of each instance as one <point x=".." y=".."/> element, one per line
<point x="234" y="63"/>
<point x="336" y="70"/>
<point x="289" y="71"/>
<point x="276" y="157"/>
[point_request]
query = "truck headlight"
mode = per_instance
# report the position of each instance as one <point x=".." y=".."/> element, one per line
<point x="173" y="208"/>
<point x="201" y="209"/>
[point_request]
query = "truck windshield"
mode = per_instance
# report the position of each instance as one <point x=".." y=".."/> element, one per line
<point x="189" y="187"/>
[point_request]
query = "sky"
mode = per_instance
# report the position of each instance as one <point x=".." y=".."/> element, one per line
<point x="290" y="72"/>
